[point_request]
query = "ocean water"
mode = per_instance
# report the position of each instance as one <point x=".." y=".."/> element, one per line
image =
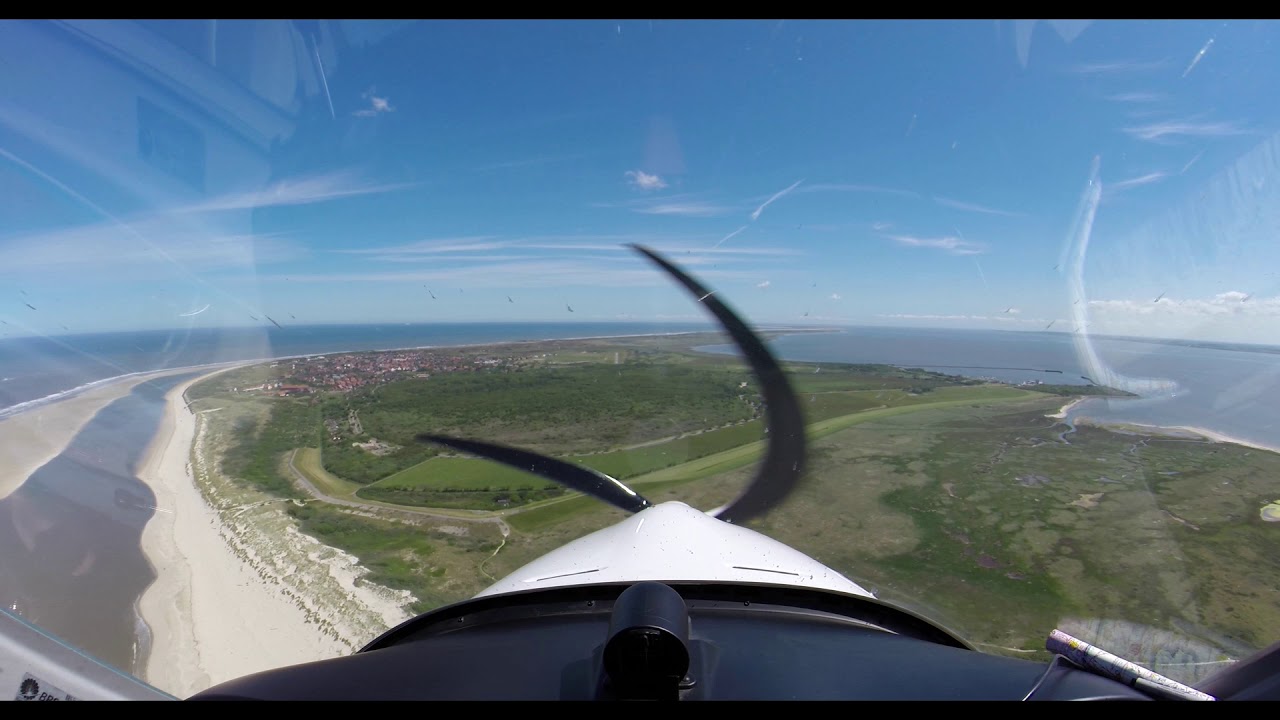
<point x="70" y="536"/>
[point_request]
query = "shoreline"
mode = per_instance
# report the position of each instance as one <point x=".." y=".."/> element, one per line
<point x="1184" y="432"/>
<point x="37" y="434"/>
<point x="239" y="589"/>
<point x="1062" y="414"/>
<point x="219" y="622"/>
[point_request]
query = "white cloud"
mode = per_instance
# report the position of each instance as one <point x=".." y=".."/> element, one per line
<point x="763" y="285"/>
<point x="376" y="104"/>
<point x="466" y="243"/>
<point x="835" y="296"/>
<point x="850" y="187"/>
<point x="140" y="245"/>
<point x="1139" y="181"/>
<point x="683" y="249"/>
<point x="1119" y="66"/>
<point x="666" y="248"/>
<point x="644" y="180"/>
<point x="447" y="258"/>
<point x="972" y="207"/>
<point x="295" y="191"/>
<point x="953" y="245"/>
<point x="756" y="214"/>
<point x="544" y="273"/>
<point x="1232" y="316"/>
<point x="1161" y="131"/>
<point x="1137" y="97"/>
<point x="686" y="209"/>
<point x="1231" y="303"/>
<point x="687" y="205"/>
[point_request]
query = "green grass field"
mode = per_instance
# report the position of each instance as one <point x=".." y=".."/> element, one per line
<point x="827" y="412"/>
<point x="988" y="522"/>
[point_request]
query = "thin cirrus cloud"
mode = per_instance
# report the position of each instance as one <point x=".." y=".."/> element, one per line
<point x="468" y="243"/>
<point x="546" y="273"/>
<point x="442" y="247"/>
<point x="295" y="191"/>
<point x="447" y="258"/>
<point x="684" y="209"/>
<point x="952" y="245"/>
<point x="644" y="181"/>
<point x="115" y="245"/>
<point x="1149" y="178"/>
<point x="1136" y="97"/>
<point x="1118" y="67"/>
<point x="974" y="207"/>
<point x="856" y="188"/>
<point x="1170" y="129"/>
<point x="686" y="205"/>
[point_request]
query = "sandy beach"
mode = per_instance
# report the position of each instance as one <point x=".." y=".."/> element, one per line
<point x="32" y="438"/>
<point x="232" y="599"/>
<point x="1066" y="409"/>
<point x="211" y="616"/>
<point x="1219" y="437"/>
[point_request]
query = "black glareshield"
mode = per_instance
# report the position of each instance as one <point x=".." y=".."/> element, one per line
<point x="784" y="455"/>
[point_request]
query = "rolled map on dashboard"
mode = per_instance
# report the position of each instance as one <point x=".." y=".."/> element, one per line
<point x="1104" y="663"/>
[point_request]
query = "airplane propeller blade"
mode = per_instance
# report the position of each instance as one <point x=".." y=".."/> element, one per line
<point x="777" y="475"/>
<point x="577" y="477"/>
<point x="783" y="463"/>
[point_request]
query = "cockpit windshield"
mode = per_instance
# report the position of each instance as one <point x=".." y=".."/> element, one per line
<point x="1021" y="276"/>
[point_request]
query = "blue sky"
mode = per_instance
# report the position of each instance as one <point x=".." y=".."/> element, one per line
<point x="1081" y="176"/>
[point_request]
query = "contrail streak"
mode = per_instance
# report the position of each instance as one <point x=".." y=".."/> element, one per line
<point x="727" y="237"/>
<point x="1196" y="60"/>
<point x="756" y="215"/>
